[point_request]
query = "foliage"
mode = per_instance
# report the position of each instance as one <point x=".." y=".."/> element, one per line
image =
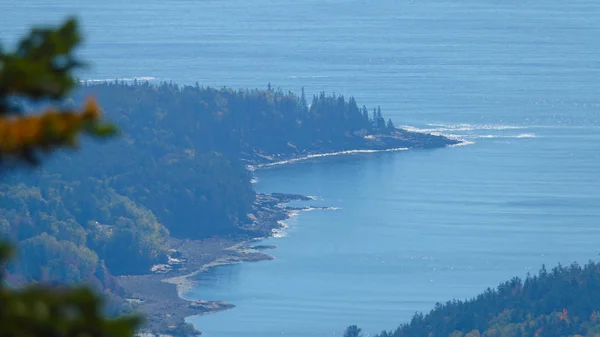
<point x="185" y="144"/>
<point x="177" y="169"/>
<point x="42" y="311"/>
<point x="132" y="243"/>
<point x="41" y="69"/>
<point x="562" y="302"/>
<point x="353" y="331"/>
<point x="231" y="122"/>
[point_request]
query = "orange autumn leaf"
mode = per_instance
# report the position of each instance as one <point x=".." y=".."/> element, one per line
<point x="47" y="130"/>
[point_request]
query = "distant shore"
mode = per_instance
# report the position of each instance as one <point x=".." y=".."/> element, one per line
<point x="159" y="295"/>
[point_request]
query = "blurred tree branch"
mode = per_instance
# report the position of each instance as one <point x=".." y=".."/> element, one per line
<point x="39" y="70"/>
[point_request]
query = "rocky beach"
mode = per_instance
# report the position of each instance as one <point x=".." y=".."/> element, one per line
<point x="159" y="294"/>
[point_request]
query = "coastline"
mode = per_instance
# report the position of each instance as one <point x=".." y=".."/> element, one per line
<point x="160" y="295"/>
<point x="242" y="253"/>
<point x="322" y="155"/>
<point x="399" y="140"/>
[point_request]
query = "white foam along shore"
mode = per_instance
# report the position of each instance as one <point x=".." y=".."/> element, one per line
<point x="292" y="160"/>
<point x="321" y="155"/>
<point x="242" y="251"/>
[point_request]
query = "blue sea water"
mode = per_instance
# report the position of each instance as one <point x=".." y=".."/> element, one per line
<point x="517" y="79"/>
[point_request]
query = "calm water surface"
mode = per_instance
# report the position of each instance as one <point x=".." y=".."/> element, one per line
<point x="518" y="79"/>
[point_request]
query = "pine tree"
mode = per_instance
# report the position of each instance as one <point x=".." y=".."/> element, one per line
<point x="353" y="331"/>
<point x="390" y="125"/>
<point x="380" y="120"/>
<point x="375" y="120"/>
<point x="365" y="114"/>
<point x="41" y="69"/>
<point x="303" y="103"/>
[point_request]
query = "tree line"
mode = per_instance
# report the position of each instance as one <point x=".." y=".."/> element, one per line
<point x="561" y="302"/>
<point x="177" y="169"/>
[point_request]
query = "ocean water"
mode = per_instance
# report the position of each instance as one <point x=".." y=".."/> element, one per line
<point x="518" y="80"/>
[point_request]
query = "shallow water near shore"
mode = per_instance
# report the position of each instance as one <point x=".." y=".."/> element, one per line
<point x="517" y="80"/>
<point x="412" y="228"/>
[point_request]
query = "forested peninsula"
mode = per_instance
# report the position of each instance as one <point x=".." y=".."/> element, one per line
<point x="172" y="194"/>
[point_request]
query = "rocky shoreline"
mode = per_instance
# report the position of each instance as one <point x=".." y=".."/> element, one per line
<point x="158" y="295"/>
<point x="398" y="140"/>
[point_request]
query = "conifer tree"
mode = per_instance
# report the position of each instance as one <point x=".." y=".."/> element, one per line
<point x="303" y="103"/>
<point x="40" y="69"/>
<point x="365" y="113"/>
<point x="380" y="119"/>
<point x="353" y="331"/>
<point x="390" y="125"/>
<point x="375" y="120"/>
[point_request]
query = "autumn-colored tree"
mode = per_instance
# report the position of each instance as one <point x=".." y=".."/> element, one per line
<point x="39" y="71"/>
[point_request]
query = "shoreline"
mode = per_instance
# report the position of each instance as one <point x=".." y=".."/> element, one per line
<point x="323" y="155"/>
<point x="184" y="283"/>
<point x="399" y="140"/>
<point x="160" y="295"/>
